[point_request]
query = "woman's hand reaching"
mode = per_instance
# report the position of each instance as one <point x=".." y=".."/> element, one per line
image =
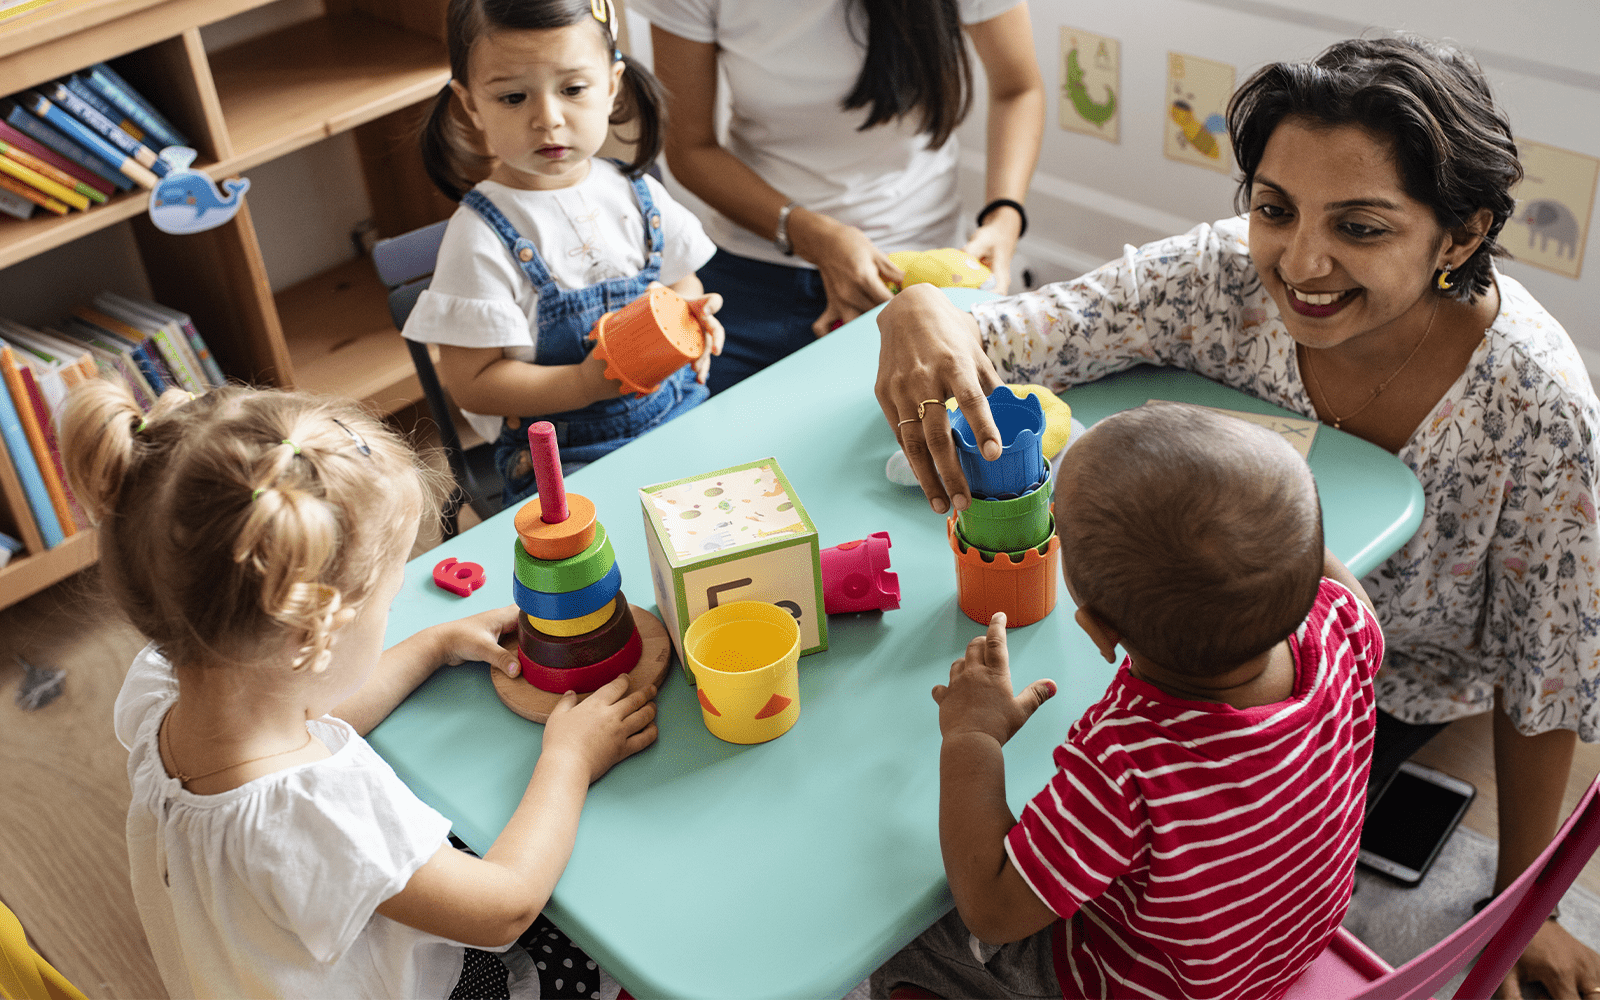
<point x="854" y="272"/>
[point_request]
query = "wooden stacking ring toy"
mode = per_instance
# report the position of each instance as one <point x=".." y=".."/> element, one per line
<point x="575" y="626"/>
<point x="559" y="680"/>
<point x="564" y="652"/>
<point x="572" y="604"/>
<point x="655" y="655"/>
<point x="559" y="576"/>
<point x="561" y="540"/>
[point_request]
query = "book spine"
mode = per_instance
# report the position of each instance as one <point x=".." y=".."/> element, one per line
<point x="33" y="194"/>
<point x="87" y="177"/>
<point x="115" y="89"/>
<point x="53" y="188"/>
<point x="153" y="371"/>
<point x="78" y="85"/>
<point x="61" y="177"/>
<point x="104" y="128"/>
<point x="173" y="355"/>
<point x="86" y="137"/>
<point x="19" y="118"/>
<point x="27" y="468"/>
<point x="213" y="370"/>
<point x="15" y="204"/>
<point x="42" y="437"/>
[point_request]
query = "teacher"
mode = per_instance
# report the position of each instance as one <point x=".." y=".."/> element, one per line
<point x="840" y="149"/>
<point x="1361" y="291"/>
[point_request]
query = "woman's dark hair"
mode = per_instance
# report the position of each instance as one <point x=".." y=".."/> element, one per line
<point x="1452" y="145"/>
<point x="452" y="151"/>
<point x="916" y="62"/>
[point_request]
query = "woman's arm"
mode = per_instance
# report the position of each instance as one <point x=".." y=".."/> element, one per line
<point x="1014" y="131"/>
<point x="853" y="270"/>
<point x="484" y="380"/>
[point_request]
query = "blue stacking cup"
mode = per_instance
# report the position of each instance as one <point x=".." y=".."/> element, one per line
<point x="1020" y="466"/>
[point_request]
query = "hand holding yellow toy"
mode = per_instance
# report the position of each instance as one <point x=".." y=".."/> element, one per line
<point x="946" y="268"/>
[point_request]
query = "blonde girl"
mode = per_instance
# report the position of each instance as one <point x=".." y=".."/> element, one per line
<point x="257" y="538"/>
<point x="549" y="236"/>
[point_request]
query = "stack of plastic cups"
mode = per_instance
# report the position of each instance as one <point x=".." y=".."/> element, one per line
<point x="1005" y="544"/>
<point x="577" y="631"/>
<point x="648" y="339"/>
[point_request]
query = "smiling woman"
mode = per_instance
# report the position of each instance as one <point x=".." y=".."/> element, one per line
<point x="1360" y="290"/>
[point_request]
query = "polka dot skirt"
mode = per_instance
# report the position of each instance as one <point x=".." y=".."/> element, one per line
<point x="565" y="972"/>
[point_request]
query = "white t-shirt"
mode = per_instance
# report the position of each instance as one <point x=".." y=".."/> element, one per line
<point x="787" y="67"/>
<point x="587" y="233"/>
<point x="271" y="889"/>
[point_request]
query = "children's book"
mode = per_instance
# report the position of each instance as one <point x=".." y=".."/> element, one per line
<point x="133" y="104"/>
<point x="22" y="120"/>
<point x="145" y="352"/>
<point x="28" y="473"/>
<point x="111" y="350"/>
<point x="78" y="85"/>
<point x="58" y="369"/>
<point x="27" y="144"/>
<point x="32" y="194"/>
<point x="8" y="547"/>
<point x="86" y="137"/>
<point x="20" y="171"/>
<point x="75" y="360"/>
<point x="51" y="171"/>
<point x="14" y="203"/>
<point x="103" y="127"/>
<point x="167" y="334"/>
<point x="22" y="381"/>
<point x="197" y="344"/>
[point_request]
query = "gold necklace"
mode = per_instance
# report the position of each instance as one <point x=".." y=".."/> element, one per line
<point x="1338" y="421"/>
<point x="166" y="743"/>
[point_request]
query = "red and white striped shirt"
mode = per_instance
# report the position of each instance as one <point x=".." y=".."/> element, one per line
<point x="1202" y="850"/>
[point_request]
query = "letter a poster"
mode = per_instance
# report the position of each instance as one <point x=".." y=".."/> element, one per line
<point x="1091" y="84"/>
<point x="1197" y="97"/>
<point x="1555" y="203"/>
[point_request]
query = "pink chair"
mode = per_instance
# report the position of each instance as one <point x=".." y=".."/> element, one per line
<point x="1348" y="969"/>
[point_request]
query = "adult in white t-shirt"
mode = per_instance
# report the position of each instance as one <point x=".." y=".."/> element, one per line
<point x="806" y="198"/>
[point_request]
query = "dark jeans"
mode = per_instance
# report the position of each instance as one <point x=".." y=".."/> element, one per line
<point x="767" y="311"/>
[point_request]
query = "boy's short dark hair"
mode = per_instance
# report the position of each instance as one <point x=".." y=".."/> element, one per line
<point x="1197" y="536"/>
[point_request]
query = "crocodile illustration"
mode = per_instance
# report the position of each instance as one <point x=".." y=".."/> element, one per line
<point x="1078" y="94"/>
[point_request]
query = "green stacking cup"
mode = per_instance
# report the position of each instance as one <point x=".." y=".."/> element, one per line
<point x="1008" y="525"/>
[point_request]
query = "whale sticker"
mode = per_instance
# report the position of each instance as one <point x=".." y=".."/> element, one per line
<point x="187" y="201"/>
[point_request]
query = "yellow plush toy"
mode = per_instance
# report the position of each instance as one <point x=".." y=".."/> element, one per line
<point x="946" y="268"/>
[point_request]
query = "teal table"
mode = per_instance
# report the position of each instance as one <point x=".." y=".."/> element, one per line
<point x="793" y="868"/>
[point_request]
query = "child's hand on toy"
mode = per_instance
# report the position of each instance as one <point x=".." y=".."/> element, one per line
<point x="603" y="729"/>
<point x="979" y="698"/>
<point x="478" y="638"/>
<point x="703" y="309"/>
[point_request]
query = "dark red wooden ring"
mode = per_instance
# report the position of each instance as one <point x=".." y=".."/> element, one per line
<point x="583" y="679"/>
<point x="564" y="652"/>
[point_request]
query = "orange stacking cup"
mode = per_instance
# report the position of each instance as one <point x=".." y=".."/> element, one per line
<point x="1023" y="585"/>
<point x="648" y="339"/>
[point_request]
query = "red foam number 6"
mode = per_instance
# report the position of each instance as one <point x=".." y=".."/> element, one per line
<point x="458" y="577"/>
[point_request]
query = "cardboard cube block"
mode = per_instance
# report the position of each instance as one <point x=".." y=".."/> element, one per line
<point x="737" y="534"/>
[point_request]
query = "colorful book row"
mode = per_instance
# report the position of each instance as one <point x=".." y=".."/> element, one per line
<point x="144" y="345"/>
<point x="74" y="142"/>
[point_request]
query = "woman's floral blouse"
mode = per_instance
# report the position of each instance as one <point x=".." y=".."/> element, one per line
<point x="1498" y="586"/>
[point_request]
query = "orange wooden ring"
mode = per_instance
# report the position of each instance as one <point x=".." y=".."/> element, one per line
<point x="557" y="541"/>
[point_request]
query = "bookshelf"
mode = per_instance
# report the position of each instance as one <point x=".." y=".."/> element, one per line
<point x="366" y="67"/>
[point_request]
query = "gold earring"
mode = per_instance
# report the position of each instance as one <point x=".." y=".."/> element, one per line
<point x="1444" y="279"/>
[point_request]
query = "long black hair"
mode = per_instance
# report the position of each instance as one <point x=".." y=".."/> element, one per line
<point x="452" y="150"/>
<point x="1452" y="144"/>
<point x="916" y="62"/>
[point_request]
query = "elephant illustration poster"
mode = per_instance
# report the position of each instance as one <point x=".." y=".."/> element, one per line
<point x="1555" y="203"/>
<point x="1091" y="84"/>
<point x="1197" y="95"/>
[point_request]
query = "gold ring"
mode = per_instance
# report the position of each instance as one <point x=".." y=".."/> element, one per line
<point x="921" y="407"/>
<point x="909" y="420"/>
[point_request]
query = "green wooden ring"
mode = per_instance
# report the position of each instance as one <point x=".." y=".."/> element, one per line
<point x="562" y="576"/>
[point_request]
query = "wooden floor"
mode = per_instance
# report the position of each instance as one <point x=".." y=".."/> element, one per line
<point x="63" y="865"/>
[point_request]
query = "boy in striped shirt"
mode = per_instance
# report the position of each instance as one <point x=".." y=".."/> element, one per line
<point x="1199" y="838"/>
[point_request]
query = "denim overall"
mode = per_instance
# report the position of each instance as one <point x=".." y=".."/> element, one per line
<point x="564" y="318"/>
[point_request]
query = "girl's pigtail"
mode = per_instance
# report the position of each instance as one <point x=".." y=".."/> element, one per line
<point x="643" y="100"/>
<point x="451" y="152"/>
<point x="97" y="443"/>
<point x="288" y="540"/>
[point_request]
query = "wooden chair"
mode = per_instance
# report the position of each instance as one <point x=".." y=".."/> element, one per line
<point x="1348" y="969"/>
<point x="405" y="265"/>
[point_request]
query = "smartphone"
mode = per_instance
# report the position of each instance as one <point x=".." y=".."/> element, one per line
<point x="1413" y="817"/>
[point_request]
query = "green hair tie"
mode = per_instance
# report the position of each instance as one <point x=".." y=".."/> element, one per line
<point x="143" y="424"/>
<point x="257" y="494"/>
<point x="291" y="444"/>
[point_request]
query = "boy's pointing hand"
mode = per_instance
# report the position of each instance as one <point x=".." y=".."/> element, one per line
<point x="979" y="697"/>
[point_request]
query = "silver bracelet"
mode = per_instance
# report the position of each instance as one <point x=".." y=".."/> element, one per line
<point x="781" y="237"/>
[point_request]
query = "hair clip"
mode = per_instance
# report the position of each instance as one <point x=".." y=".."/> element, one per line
<point x="602" y="10"/>
<point x="291" y="444"/>
<point x="361" y="443"/>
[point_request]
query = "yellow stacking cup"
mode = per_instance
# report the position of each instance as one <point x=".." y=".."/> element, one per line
<point x="745" y="658"/>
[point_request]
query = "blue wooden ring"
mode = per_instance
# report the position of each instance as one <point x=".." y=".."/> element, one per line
<point x="560" y="576"/>
<point x="572" y="604"/>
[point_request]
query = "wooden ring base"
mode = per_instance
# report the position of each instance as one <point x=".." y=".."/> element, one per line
<point x="535" y="705"/>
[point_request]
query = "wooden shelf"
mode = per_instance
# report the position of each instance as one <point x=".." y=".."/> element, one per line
<point x="341" y="340"/>
<point x="25" y="576"/>
<point x="291" y="88"/>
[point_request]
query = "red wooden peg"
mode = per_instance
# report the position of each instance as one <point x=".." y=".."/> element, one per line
<point x="460" y="578"/>
<point x="547" y="472"/>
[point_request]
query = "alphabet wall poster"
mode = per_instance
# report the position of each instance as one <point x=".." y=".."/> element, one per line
<point x="1197" y="97"/>
<point x="1555" y="204"/>
<point x="1091" y="84"/>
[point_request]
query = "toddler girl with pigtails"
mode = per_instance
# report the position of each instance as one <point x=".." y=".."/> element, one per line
<point x="549" y="236"/>
<point x="257" y="538"/>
